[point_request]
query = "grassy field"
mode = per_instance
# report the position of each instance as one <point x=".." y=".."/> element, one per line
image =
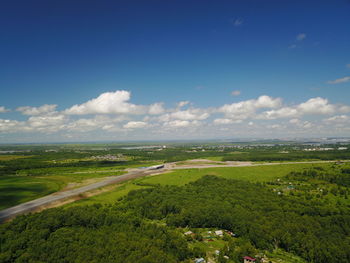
<point x="12" y="157"/>
<point x="182" y="177"/>
<point x="29" y="184"/>
<point x="109" y="197"/>
<point x="252" y="173"/>
<point x="17" y="189"/>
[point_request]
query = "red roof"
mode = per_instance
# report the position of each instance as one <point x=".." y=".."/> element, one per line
<point x="249" y="258"/>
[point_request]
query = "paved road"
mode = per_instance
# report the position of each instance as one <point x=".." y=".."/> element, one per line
<point x="59" y="196"/>
<point x="49" y="199"/>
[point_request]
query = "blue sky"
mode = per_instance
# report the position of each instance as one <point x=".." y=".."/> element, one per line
<point x="144" y="53"/>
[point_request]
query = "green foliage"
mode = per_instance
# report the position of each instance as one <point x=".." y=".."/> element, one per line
<point x="310" y="229"/>
<point x="89" y="234"/>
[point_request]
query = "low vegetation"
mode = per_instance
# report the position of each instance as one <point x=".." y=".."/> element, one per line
<point x="279" y="218"/>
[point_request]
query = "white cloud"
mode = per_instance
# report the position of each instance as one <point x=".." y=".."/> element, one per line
<point x="108" y="103"/>
<point x="223" y="121"/>
<point x="156" y="109"/>
<point x="316" y="106"/>
<point x="294" y="121"/>
<point x="135" y="125"/>
<point x="292" y="46"/>
<point x="182" y="103"/>
<point x="32" y="111"/>
<point x="186" y="115"/>
<point x="340" y="80"/>
<point x="313" y="106"/>
<point x="190" y="114"/>
<point x="3" y="109"/>
<point x="96" y="123"/>
<point x="237" y="22"/>
<point x="48" y="123"/>
<point x="301" y="37"/>
<point x="245" y="109"/>
<point x="338" y="119"/>
<point x="181" y="124"/>
<point x="9" y="125"/>
<point x="178" y="123"/>
<point x="236" y="93"/>
<point x="286" y="112"/>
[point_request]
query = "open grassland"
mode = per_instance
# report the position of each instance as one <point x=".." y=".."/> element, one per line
<point x="13" y="157"/>
<point x="15" y="190"/>
<point x="182" y="177"/>
<point x="252" y="173"/>
<point x="109" y="197"/>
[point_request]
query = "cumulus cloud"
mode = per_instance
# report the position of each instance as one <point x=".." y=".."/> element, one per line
<point x="32" y="111"/>
<point x="340" y="80"/>
<point x="190" y="121"/>
<point x="108" y="103"/>
<point x="156" y="109"/>
<point x="245" y="109"/>
<point x="97" y="122"/>
<point x="236" y="93"/>
<point x="316" y="106"/>
<point x="223" y="121"/>
<point x="135" y="125"/>
<point x="9" y="125"/>
<point x="190" y="114"/>
<point x="186" y="115"/>
<point x="181" y="124"/>
<point x="182" y="103"/>
<point x="301" y="37"/>
<point x="3" y="109"/>
<point x="338" y="119"/>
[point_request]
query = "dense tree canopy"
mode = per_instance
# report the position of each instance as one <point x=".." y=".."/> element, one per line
<point x="142" y="227"/>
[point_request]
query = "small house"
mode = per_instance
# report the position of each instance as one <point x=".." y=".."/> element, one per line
<point x="219" y="233"/>
<point x="248" y="259"/>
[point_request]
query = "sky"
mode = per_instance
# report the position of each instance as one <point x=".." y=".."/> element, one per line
<point x="172" y="70"/>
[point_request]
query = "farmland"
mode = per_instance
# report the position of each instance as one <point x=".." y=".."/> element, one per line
<point x="274" y="194"/>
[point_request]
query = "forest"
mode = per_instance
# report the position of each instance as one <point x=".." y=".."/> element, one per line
<point x="147" y="225"/>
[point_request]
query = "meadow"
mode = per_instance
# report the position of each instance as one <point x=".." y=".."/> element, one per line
<point x="185" y="176"/>
<point x="250" y="173"/>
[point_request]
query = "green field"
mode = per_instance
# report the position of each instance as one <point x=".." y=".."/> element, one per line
<point x="15" y="190"/>
<point x="182" y="177"/>
<point x="108" y="197"/>
<point x="250" y="173"/>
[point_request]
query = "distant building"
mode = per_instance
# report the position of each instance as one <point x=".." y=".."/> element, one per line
<point x="248" y="259"/>
<point x="199" y="260"/>
<point x="188" y="233"/>
<point x="219" y="233"/>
